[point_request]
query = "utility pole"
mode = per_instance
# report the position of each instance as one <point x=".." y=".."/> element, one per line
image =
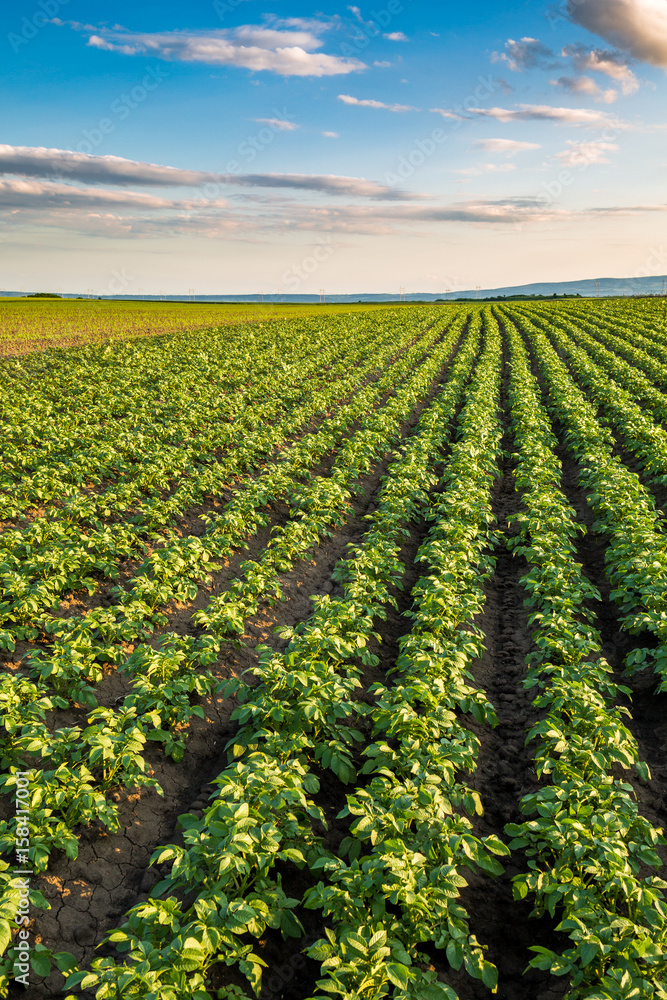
<point x="597" y="289"/>
<point x="401" y="294"/>
<point x="664" y="286"/>
<point x="478" y="292"/>
<point x="191" y="294"/>
<point x="322" y="295"/>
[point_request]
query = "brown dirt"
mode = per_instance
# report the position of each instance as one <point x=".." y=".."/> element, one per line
<point x="504" y="772"/>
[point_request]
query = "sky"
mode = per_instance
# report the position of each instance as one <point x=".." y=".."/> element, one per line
<point x="256" y="146"/>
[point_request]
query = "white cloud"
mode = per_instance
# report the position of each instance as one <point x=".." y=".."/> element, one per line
<point x="324" y="184"/>
<point x="445" y="113"/>
<point x="331" y="135"/>
<point x="386" y="220"/>
<point x="278" y="123"/>
<point x="508" y="146"/>
<point x="585" y="85"/>
<point x="347" y="99"/>
<point x="581" y="154"/>
<point x="396" y="36"/>
<point x="529" y="53"/>
<point x="61" y="164"/>
<point x="39" y="161"/>
<point x="546" y="113"/>
<point x="257" y="48"/>
<point x="382" y="63"/>
<point x="612" y="64"/>
<point x="636" y="26"/>
<point x="34" y="194"/>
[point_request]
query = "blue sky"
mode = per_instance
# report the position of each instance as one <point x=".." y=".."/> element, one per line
<point x="241" y="146"/>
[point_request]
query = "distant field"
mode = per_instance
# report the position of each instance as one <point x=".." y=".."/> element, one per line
<point x="36" y="324"/>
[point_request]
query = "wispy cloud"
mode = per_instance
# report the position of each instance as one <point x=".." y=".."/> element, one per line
<point x="585" y="85"/>
<point x="367" y="103"/>
<point x="39" y="161"/>
<point x="445" y="113"/>
<point x="28" y="161"/>
<point x="508" y="146"/>
<point x="528" y="53"/>
<point x="15" y="192"/>
<point x="278" y="123"/>
<point x="636" y="26"/>
<point x="547" y="113"/>
<point x="258" y="48"/>
<point x="580" y="154"/>
<point x="613" y="64"/>
<point x="325" y="184"/>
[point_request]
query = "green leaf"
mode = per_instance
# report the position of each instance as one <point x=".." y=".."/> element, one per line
<point x="320" y="951"/>
<point x="398" y="974"/>
<point x="643" y="770"/>
<point x="65" y="962"/>
<point x="41" y="962"/>
<point x="455" y="954"/>
<point x="490" y="976"/>
<point x="588" y="952"/>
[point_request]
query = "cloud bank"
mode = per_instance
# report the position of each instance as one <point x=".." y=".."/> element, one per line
<point x="636" y="26"/>
<point x="64" y="165"/>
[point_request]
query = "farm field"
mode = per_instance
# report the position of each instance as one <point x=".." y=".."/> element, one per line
<point x="38" y="324"/>
<point x="334" y="655"/>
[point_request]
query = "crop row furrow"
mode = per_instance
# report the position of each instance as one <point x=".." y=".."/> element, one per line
<point x="585" y="839"/>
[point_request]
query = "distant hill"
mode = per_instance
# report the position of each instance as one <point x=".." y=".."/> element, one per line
<point x="587" y="287"/>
